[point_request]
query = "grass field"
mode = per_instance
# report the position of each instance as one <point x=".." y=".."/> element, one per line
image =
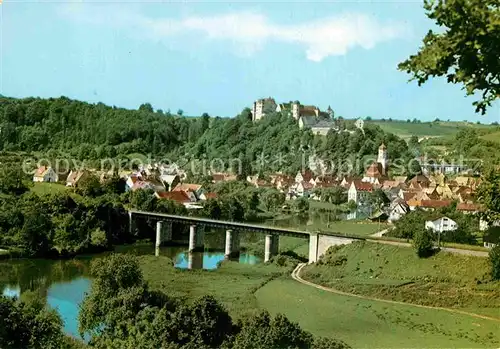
<point x="361" y="323"/>
<point x="396" y="273"/>
<point x="43" y="188"/>
<point x="359" y="228"/>
<point x="492" y="137"/>
<point x="370" y="324"/>
<point x="233" y="284"/>
<point x="425" y="129"/>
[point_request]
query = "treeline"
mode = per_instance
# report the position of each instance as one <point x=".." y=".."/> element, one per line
<point x="93" y="216"/>
<point x="60" y="127"/>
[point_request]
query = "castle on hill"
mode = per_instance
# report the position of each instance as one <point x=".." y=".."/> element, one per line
<point x="307" y="116"/>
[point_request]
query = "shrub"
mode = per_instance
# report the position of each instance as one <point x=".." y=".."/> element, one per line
<point x="98" y="238"/>
<point x="494" y="257"/>
<point x="422" y="242"/>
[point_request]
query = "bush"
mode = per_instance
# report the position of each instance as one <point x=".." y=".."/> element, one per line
<point x="422" y="242"/>
<point x="494" y="257"/>
<point x="98" y="238"/>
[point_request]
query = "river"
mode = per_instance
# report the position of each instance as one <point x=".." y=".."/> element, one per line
<point x="63" y="283"/>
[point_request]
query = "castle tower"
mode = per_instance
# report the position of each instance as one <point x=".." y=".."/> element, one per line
<point x="382" y="157"/>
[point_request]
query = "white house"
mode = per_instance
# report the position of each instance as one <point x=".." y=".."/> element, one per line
<point x="397" y="210"/>
<point x="45" y="174"/>
<point x="170" y="181"/>
<point x="303" y="189"/>
<point x="441" y="225"/>
<point x="359" y="192"/>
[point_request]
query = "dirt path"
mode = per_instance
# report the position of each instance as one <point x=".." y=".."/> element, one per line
<point x="380" y="233"/>
<point x="296" y="277"/>
<point x="445" y="249"/>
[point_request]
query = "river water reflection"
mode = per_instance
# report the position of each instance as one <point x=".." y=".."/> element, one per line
<point x="63" y="283"/>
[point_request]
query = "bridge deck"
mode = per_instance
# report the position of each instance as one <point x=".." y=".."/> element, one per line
<point x="236" y="225"/>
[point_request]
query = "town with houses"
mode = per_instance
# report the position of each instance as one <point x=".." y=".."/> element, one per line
<point x="428" y="191"/>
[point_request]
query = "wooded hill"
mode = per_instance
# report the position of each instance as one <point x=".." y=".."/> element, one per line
<point x="81" y="130"/>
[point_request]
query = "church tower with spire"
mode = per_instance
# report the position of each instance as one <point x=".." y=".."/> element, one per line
<point x="382" y="158"/>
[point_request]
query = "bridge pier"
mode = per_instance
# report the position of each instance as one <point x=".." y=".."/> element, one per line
<point x="196" y="238"/>
<point x="313" y="248"/>
<point x="130" y="223"/>
<point x="232" y="244"/>
<point x="271" y="247"/>
<point x="195" y="260"/>
<point x="163" y="233"/>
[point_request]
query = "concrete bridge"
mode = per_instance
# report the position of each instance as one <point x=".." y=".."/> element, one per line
<point x="319" y="242"/>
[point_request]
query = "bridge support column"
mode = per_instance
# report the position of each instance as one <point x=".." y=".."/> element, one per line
<point x="313" y="247"/>
<point x="195" y="260"/>
<point x="158" y="238"/>
<point x="196" y="238"/>
<point x="232" y="244"/>
<point x="130" y="223"/>
<point x="271" y="247"/>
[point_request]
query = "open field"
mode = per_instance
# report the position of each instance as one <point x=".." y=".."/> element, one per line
<point x="361" y="323"/>
<point x="492" y="137"/>
<point x="396" y="273"/>
<point x="370" y="324"/>
<point x="359" y="228"/>
<point x="44" y="188"/>
<point x="233" y="284"/>
<point x="425" y="129"/>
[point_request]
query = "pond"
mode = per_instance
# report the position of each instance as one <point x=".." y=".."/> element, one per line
<point x="63" y="283"/>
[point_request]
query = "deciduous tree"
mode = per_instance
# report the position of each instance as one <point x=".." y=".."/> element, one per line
<point x="464" y="50"/>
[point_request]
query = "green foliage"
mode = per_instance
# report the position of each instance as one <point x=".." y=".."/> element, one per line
<point x="494" y="258"/>
<point x="488" y="194"/>
<point x="60" y="223"/>
<point x="335" y="195"/>
<point x="13" y="181"/>
<point x="98" y="238"/>
<point x="423" y="242"/>
<point x="29" y="324"/>
<point x="301" y="205"/>
<point x="273" y="199"/>
<point x="465" y="51"/>
<point x="329" y="343"/>
<point x="89" y="186"/>
<point x="413" y="221"/>
<point x="263" y="332"/>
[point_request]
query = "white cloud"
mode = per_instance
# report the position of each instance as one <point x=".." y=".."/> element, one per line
<point x="250" y="32"/>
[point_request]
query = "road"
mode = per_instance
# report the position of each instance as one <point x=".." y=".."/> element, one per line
<point x="380" y="233"/>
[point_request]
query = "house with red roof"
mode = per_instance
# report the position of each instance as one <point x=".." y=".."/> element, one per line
<point x="306" y="176"/>
<point x="45" y="174"/>
<point x="359" y="191"/>
<point x="179" y="196"/>
<point x="197" y="189"/>
<point x="434" y="204"/>
<point x="223" y="177"/>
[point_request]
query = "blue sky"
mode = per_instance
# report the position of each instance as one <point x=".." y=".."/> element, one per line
<point x="217" y="57"/>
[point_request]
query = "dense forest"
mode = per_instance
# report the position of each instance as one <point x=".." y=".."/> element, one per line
<point x="60" y="127"/>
